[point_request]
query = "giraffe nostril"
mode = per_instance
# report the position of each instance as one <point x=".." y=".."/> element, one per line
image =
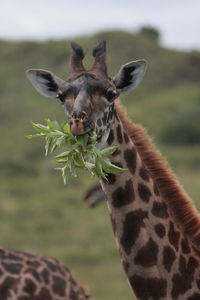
<point x="79" y="116"/>
<point x="83" y="116"/>
<point x="73" y="115"/>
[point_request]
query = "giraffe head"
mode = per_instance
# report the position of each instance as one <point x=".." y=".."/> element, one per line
<point x="88" y="95"/>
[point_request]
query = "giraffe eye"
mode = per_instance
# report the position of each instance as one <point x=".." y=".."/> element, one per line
<point x="61" y="97"/>
<point x="111" y="95"/>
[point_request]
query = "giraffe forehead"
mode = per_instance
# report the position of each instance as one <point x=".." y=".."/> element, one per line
<point x="88" y="83"/>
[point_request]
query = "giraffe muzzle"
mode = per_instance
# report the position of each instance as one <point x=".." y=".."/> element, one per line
<point x="79" y="123"/>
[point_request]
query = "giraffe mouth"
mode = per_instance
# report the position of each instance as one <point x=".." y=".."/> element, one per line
<point x="81" y="128"/>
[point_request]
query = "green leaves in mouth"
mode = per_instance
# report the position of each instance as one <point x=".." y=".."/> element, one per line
<point x="81" y="151"/>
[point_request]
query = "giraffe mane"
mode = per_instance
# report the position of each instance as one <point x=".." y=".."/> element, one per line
<point x="178" y="202"/>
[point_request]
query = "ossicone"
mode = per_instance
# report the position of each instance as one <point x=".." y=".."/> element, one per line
<point x="99" y="53"/>
<point x="76" y="57"/>
<point x="77" y="50"/>
<point x="99" y="49"/>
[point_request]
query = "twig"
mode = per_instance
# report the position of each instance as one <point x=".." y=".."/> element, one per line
<point x="91" y="173"/>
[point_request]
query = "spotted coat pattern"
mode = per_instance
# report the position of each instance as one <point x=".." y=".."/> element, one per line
<point x="24" y="276"/>
<point x="159" y="261"/>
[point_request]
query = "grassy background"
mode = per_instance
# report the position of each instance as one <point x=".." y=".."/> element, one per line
<point x="38" y="213"/>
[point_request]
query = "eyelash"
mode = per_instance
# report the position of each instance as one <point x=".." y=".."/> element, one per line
<point x="61" y="97"/>
<point x="111" y="95"/>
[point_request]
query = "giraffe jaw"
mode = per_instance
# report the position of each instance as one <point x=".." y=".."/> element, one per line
<point x="101" y="142"/>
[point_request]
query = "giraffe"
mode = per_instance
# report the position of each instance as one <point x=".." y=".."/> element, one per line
<point x="26" y="276"/>
<point x="156" y="227"/>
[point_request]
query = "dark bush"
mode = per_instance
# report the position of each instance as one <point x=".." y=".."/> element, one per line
<point x="184" y="128"/>
<point x="150" y="32"/>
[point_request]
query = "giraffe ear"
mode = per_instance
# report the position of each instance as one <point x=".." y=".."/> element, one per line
<point x="130" y="75"/>
<point x="45" y="82"/>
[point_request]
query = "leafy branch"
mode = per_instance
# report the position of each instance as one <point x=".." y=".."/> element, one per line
<point x="81" y="152"/>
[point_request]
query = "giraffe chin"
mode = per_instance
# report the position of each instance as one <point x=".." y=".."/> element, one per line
<point x="77" y="131"/>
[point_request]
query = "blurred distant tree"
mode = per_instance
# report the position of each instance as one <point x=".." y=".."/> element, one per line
<point x="194" y="58"/>
<point x="184" y="127"/>
<point x="151" y="32"/>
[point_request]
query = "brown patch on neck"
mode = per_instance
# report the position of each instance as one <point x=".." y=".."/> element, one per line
<point x="180" y="205"/>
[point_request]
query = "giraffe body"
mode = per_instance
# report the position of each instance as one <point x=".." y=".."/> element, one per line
<point x="156" y="227"/>
<point x="24" y="276"/>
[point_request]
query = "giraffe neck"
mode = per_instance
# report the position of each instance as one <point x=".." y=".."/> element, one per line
<point x="154" y="252"/>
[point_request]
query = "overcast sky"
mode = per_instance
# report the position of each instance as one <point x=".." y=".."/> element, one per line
<point x="177" y="20"/>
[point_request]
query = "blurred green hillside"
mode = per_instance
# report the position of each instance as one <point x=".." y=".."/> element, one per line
<point x="38" y="213"/>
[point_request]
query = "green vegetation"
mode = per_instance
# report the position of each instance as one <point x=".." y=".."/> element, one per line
<point x="80" y="152"/>
<point x="40" y="214"/>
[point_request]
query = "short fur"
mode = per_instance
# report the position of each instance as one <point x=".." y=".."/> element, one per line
<point x="178" y="202"/>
